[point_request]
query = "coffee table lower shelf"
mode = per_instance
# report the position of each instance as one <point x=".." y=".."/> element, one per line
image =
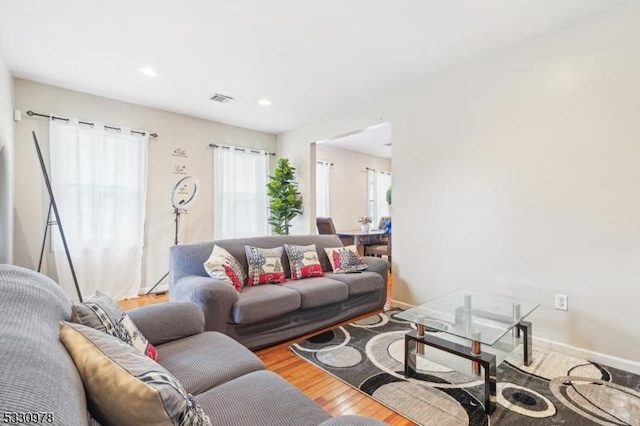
<point x="413" y="346"/>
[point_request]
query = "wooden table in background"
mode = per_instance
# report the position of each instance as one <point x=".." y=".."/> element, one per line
<point x="360" y="237"/>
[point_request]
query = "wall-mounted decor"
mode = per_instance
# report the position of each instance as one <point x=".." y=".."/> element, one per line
<point x="180" y="170"/>
<point x="179" y="152"/>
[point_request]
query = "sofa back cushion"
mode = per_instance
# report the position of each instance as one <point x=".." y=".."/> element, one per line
<point x="36" y="372"/>
<point x="188" y="259"/>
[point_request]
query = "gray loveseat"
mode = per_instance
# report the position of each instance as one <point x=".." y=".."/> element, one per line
<point x="262" y="315"/>
<point x="37" y="375"/>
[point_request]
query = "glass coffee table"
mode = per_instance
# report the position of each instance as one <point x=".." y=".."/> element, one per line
<point x="460" y="323"/>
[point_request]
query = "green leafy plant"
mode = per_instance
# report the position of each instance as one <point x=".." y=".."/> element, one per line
<point x="286" y="202"/>
<point x="389" y="196"/>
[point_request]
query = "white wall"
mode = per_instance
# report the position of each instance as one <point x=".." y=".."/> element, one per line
<point x="518" y="174"/>
<point x="6" y="162"/>
<point x="174" y="130"/>
<point x="348" y="192"/>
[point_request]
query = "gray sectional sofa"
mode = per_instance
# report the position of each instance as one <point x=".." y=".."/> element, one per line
<point x="37" y="375"/>
<point x="263" y="315"/>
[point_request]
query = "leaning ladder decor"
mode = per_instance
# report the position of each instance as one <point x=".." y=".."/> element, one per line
<point x="53" y="206"/>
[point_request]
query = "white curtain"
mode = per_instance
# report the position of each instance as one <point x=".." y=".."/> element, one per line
<point x="378" y="182"/>
<point x="240" y="192"/>
<point x="99" y="180"/>
<point x="323" y="185"/>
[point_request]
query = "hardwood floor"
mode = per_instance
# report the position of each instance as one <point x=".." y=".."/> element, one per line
<point x="144" y="300"/>
<point x="332" y="394"/>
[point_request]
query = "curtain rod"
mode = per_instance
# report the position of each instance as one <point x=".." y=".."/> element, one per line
<point x="367" y="169"/>
<point x="324" y="162"/>
<point x="88" y="123"/>
<point x="237" y="148"/>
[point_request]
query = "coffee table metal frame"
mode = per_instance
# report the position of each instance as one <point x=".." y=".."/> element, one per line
<point x="415" y="341"/>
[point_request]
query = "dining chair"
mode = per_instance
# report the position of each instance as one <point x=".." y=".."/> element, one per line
<point x="382" y="248"/>
<point x="379" y="250"/>
<point x="325" y="226"/>
<point x="383" y="221"/>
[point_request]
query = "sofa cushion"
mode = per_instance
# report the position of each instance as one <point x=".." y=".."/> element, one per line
<point x="104" y="314"/>
<point x="224" y="267"/>
<point x="265" y="265"/>
<point x="265" y="399"/>
<point x="263" y="302"/>
<point x="359" y="282"/>
<point x="345" y="259"/>
<point x="303" y="261"/>
<point x="205" y="360"/>
<point x="124" y="386"/>
<point x="319" y="291"/>
<point x="36" y="372"/>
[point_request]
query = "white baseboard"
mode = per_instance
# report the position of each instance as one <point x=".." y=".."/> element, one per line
<point x="600" y="358"/>
<point x="401" y="305"/>
<point x="159" y="289"/>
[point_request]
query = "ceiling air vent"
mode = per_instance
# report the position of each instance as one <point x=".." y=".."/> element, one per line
<point x="223" y="99"/>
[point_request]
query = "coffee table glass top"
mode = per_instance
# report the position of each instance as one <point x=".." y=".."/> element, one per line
<point x="471" y="315"/>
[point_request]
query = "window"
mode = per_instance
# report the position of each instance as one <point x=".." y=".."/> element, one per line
<point x="99" y="180"/>
<point x="240" y="193"/>
<point x="378" y="182"/>
<point x="323" y="188"/>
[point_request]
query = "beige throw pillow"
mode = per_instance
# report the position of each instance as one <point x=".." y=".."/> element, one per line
<point x="123" y="385"/>
<point x="224" y="267"/>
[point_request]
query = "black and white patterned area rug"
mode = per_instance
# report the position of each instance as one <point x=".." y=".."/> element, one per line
<point x="554" y="389"/>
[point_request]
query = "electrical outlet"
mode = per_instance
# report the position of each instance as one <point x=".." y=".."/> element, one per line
<point x="562" y="302"/>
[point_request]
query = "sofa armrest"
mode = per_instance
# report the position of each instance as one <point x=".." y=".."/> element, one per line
<point x="379" y="265"/>
<point x="166" y="322"/>
<point x="214" y="297"/>
<point x="352" y="421"/>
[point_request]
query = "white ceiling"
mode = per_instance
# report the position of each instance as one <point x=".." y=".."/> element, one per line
<point x="307" y="57"/>
<point x="374" y="140"/>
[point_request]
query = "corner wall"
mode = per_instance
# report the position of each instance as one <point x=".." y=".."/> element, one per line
<point x="166" y="168"/>
<point x="518" y="174"/>
<point x="6" y="162"/>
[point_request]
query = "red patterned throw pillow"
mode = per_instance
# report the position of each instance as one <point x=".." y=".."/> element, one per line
<point x="345" y="259"/>
<point x="303" y="261"/>
<point x="265" y="265"/>
<point x="224" y="267"/>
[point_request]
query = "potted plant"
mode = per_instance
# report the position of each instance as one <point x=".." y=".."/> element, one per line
<point x="365" y="223"/>
<point x="286" y="202"/>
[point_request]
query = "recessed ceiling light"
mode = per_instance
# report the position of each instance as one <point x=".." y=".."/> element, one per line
<point x="264" y="102"/>
<point x="148" y="71"/>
